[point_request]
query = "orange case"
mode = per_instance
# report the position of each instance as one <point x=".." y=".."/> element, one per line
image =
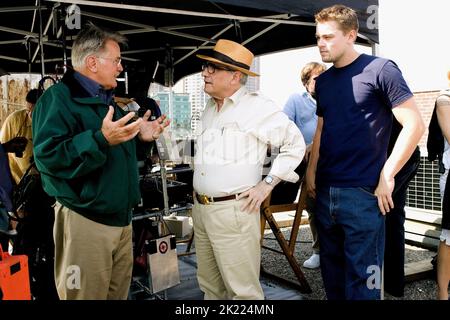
<point x="14" y="278"/>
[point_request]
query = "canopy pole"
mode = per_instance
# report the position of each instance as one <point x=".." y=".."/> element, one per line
<point x="375" y="48"/>
<point x="63" y="41"/>
<point x="29" y="54"/>
<point x="41" y="43"/>
<point x="168" y="67"/>
<point x="168" y="75"/>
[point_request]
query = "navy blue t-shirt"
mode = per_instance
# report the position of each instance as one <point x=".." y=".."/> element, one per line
<point x="356" y="104"/>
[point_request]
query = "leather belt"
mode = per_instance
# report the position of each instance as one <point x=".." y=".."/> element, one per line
<point x="204" y="199"/>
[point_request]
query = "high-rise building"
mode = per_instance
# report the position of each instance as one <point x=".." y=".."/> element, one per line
<point x="156" y="88"/>
<point x="179" y="112"/>
<point x="193" y="86"/>
<point x="253" y="82"/>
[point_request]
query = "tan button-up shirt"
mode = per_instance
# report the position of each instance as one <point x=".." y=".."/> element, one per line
<point x="232" y="144"/>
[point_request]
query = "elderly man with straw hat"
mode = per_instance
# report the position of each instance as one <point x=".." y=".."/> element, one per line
<point x="235" y="130"/>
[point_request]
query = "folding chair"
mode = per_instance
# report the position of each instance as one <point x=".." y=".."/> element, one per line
<point x="288" y="247"/>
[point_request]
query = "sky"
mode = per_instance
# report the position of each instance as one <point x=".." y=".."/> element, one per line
<point x="413" y="33"/>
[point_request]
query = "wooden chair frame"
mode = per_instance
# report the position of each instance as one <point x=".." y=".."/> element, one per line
<point x="288" y="247"/>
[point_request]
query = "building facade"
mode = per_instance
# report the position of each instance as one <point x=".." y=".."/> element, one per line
<point x="177" y="107"/>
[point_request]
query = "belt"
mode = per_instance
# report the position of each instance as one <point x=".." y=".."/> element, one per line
<point x="204" y="199"/>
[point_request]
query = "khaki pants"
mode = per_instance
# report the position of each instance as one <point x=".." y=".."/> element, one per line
<point x="93" y="261"/>
<point x="227" y="244"/>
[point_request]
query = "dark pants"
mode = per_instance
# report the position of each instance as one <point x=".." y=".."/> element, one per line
<point x="351" y="235"/>
<point x="4" y="242"/>
<point x="394" y="254"/>
<point x="286" y="192"/>
<point x="4" y="226"/>
<point x="35" y="239"/>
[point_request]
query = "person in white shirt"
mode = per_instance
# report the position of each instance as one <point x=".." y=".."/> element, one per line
<point x="236" y="128"/>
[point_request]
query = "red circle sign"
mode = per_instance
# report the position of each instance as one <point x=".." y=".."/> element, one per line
<point x="163" y="247"/>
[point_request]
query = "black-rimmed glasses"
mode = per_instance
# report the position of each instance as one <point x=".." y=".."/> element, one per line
<point x="211" y="67"/>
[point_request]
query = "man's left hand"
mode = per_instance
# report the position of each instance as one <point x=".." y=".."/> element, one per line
<point x="255" y="196"/>
<point x="384" y="193"/>
<point x="151" y="130"/>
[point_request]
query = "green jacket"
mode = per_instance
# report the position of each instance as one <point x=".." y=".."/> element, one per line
<point x="77" y="165"/>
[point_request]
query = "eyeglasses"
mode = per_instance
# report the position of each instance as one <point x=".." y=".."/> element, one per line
<point x="211" y="67"/>
<point x="116" y="61"/>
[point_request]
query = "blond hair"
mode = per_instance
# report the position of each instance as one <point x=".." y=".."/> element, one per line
<point x="309" y="68"/>
<point x="346" y="17"/>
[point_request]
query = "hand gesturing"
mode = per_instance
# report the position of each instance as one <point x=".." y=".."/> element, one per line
<point x="150" y="130"/>
<point x="119" y="131"/>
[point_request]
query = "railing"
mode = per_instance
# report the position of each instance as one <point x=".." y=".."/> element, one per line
<point x="423" y="191"/>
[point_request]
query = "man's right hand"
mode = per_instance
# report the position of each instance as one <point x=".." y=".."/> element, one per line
<point x="119" y="131"/>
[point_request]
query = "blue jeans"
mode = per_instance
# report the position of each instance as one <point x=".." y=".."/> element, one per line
<point x="351" y="236"/>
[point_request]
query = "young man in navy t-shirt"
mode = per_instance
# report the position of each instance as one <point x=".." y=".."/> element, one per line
<point x="348" y="172"/>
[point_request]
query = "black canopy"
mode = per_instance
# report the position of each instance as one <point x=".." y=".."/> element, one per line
<point x="164" y="32"/>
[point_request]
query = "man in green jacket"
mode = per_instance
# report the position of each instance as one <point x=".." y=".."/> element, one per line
<point x="85" y="150"/>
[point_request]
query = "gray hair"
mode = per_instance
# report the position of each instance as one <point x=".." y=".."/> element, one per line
<point x="244" y="78"/>
<point x="91" y="40"/>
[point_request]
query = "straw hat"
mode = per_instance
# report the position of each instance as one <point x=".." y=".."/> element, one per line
<point x="232" y="55"/>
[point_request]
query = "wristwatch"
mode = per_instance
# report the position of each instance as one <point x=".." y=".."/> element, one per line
<point x="268" y="180"/>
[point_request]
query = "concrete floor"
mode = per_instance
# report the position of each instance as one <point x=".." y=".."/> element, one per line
<point x="188" y="288"/>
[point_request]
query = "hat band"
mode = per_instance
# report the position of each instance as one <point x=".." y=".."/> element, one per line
<point x="227" y="59"/>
